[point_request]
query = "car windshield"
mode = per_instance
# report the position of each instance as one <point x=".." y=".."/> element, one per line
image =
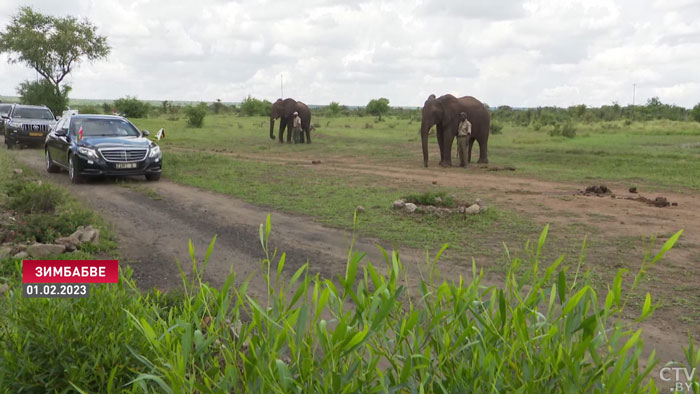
<point x="104" y="127"/>
<point x="32" y="113"/>
<point x="5" y="109"/>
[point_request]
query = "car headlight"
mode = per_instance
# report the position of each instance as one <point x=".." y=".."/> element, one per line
<point x="155" y="151"/>
<point x="88" y="152"/>
<point x="14" y="124"/>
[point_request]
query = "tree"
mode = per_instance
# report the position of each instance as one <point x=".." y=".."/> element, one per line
<point x="250" y="106"/>
<point x="195" y="114"/>
<point x="43" y="93"/>
<point x="333" y="108"/>
<point x="218" y="106"/>
<point x="378" y="107"/>
<point x="131" y="107"/>
<point x="52" y="46"/>
<point x="695" y="113"/>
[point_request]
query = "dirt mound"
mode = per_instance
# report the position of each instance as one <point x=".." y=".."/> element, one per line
<point x="601" y="190"/>
<point x="660" y="202"/>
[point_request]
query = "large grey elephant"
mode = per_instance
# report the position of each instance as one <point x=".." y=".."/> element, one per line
<point x="443" y="112"/>
<point x="284" y="110"/>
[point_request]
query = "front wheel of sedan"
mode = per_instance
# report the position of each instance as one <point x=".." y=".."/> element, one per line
<point x="50" y="166"/>
<point x="73" y="172"/>
<point x="153" y="176"/>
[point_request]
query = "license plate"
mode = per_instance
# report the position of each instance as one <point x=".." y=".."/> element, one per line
<point x="123" y="166"/>
<point x="36" y="134"/>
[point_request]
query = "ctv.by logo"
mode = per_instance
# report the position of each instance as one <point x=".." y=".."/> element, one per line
<point x="680" y="376"/>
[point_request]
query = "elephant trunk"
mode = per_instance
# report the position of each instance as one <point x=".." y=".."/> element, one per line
<point x="272" y="126"/>
<point x="424" y="129"/>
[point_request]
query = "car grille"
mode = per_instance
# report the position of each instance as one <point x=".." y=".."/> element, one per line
<point x="35" y="127"/>
<point x="123" y="155"/>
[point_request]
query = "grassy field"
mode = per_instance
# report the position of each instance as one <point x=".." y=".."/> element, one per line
<point x="656" y="154"/>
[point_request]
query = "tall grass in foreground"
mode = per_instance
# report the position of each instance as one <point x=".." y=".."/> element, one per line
<point x="546" y="330"/>
<point x="367" y="332"/>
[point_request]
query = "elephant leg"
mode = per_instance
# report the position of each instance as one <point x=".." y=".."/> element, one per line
<point x="308" y="136"/>
<point x="448" y="140"/>
<point x="283" y="124"/>
<point x="469" y="153"/>
<point x="483" y="151"/>
<point x="440" y="138"/>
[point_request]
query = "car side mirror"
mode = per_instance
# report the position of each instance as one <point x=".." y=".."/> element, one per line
<point x="5" y="117"/>
<point x="61" y="132"/>
<point x="145" y="133"/>
<point x="58" y="118"/>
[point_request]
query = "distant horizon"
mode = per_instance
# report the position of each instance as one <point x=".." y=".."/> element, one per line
<point x="84" y="101"/>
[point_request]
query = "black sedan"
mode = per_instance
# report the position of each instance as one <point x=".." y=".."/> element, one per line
<point x="93" y="145"/>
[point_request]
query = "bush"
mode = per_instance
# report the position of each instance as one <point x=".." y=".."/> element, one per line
<point x="31" y="197"/>
<point x="195" y="114"/>
<point x="131" y="107"/>
<point x="89" y="109"/>
<point x="567" y="130"/>
<point x="495" y="128"/>
<point x="431" y="198"/>
<point x="250" y="106"/>
<point x="44" y="93"/>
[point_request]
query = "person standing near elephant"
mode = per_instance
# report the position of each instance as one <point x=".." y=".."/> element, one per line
<point x="296" y="128"/>
<point x="464" y="131"/>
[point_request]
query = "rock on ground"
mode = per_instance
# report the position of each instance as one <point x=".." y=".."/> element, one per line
<point x="398" y="204"/>
<point x="43" y="250"/>
<point x="5" y="252"/>
<point x="21" y="255"/>
<point x="410" y="207"/>
<point x="472" y="210"/>
<point x="87" y="234"/>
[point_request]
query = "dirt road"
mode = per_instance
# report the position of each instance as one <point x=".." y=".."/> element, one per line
<point x="154" y="222"/>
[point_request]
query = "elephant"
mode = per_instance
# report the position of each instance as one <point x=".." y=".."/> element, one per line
<point x="284" y="109"/>
<point x="443" y="112"/>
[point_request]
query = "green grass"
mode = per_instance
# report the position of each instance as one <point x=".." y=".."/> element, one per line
<point x="332" y="199"/>
<point x="656" y="154"/>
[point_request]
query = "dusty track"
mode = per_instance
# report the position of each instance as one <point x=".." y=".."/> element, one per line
<point x="153" y="233"/>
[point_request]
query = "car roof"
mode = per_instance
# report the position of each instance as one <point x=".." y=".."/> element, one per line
<point x="7" y="104"/>
<point x="91" y="116"/>
<point x="31" y="106"/>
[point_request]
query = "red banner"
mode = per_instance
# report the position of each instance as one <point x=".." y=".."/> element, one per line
<point x="70" y="271"/>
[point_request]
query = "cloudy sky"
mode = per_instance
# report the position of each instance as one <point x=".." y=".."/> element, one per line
<point x="504" y="52"/>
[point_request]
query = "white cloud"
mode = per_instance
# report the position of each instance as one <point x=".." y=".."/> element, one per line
<point x="519" y="53"/>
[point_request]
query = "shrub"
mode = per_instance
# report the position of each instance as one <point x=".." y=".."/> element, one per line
<point x="431" y="198"/>
<point x="44" y="93"/>
<point x="195" y="114"/>
<point x="568" y="130"/>
<point x="495" y="128"/>
<point x="89" y="109"/>
<point x="31" y="197"/>
<point x="131" y="107"/>
<point x="250" y="106"/>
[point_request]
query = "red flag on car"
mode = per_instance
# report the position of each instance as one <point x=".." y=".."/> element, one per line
<point x="80" y="133"/>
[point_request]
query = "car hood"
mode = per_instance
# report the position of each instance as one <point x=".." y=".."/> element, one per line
<point x="115" y="142"/>
<point x="33" y="121"/>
